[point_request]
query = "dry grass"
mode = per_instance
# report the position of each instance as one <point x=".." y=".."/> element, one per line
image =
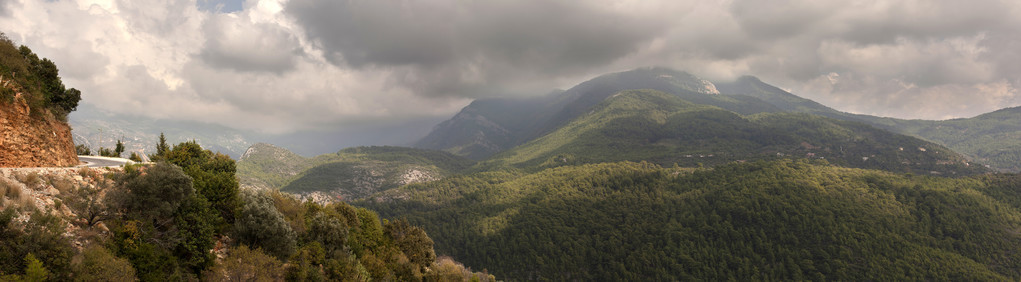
<point x="32" y="179"/>
<point x="88" y="173"/>
<point x="63" y="185"/>
<point x="10" y="190"/>
<point x="12" y="196"/>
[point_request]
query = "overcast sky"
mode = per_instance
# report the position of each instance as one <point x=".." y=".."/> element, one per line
<point x="281" y="66"/>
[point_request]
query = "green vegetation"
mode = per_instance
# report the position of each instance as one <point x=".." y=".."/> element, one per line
<point x="167" y="221"/>
<point x="351" y="173"/>
<point x="778" y="220"/>
<point x="22" y="71"/>
<point x="355" y="173"/>
<point x="266" y="166"/>
<point x="33" y="248"/>
<point x="647" y="125"/>
<point x="487" y="127"/>
<point x="82" y="150"/>
<point x="993" y="138"/>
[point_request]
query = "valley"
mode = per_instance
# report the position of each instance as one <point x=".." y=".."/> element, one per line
<point x="480" y="141"/>
<point x="655" y="174"/>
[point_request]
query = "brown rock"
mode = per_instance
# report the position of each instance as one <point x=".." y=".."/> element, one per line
<point x="27" y="141"/>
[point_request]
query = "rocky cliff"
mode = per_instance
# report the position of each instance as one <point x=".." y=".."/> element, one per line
<point x="33" y="140"/>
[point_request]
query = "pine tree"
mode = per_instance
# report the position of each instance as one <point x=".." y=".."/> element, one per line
<point x="119" y="149"/>
<point x="162" y="147"/>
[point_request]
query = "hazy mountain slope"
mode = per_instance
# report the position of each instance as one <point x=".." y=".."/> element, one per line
<point x="993" y="138"/>
<point x="647" y="125"/>
<point x="752" y="86"/>
<point x="355" y="173"/>
<point x="96" y="129"/>
<point x="489" y="126"/>
<point x="783" y="220"/>
<point x="484" y="127"/>
<point x="580" y="99"/>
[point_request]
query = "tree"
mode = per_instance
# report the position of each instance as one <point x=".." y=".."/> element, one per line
<point x="82" y="150"/>
<point x="162" y="149"/>
<point x="155" y="195"/>
<point x="67" y="101"/>
<point x="135" y="158"/>
<point x="412" y="241"/>
<point x="213" y="174"/>
<point x="106" y="152"/>
<point x="34" y="269"/>
<point x="260" y="225"/>
<point x="86" y="203"/>
<point x="119" y="149"/>
<point x="163" y="217"/>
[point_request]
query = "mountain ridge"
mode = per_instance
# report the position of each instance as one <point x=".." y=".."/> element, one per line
<point x="999" y="146"/>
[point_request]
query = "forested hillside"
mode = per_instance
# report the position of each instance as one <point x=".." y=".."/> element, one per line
<point x="779" y="220"/>
<point x="993" y="138"/>
<point x="352" y="173"/>
<point x="648" y="125"/>
<point x="489" y="126"/>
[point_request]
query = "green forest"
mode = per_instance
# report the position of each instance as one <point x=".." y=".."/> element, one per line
<point x="768" y="220"/>
<point x="649" y="125"/>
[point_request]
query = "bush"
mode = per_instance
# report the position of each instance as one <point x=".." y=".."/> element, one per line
<point x="261" y="225"/>
<point x="82" y="150"/>
<point x="156" y="194"/>
<point x="244" y="264"/>
<point x="96" y="263"/>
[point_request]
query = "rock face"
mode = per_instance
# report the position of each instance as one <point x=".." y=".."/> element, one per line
<point x="29" y="141"/>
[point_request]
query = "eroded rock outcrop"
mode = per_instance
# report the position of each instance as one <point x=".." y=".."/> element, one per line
<point x="38" y="140"/>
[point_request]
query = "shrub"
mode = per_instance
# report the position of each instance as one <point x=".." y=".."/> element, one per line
<point x="31" y="179"/>
<point x="244" y="264"/>
<point x="82" y="150"/>
<point x="10" y="190"/>
<point x="261" y="225"/>
<point x="96" y="263"/>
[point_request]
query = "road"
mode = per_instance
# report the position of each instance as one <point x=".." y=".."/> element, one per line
<point x="94" y="161"/>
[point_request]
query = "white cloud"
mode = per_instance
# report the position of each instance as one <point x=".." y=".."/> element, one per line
<point x="281" y="66"/>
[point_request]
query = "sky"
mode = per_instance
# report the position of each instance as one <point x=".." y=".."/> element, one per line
<point x="279" y="66"/>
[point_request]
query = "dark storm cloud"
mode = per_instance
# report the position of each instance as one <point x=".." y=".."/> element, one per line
<point x="263" y="47"/>
<point x="457" y="47"/>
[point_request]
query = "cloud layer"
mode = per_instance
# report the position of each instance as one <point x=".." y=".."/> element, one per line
<point x="282" y="66"/>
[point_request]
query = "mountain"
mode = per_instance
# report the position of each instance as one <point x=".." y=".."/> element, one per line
<point x="352" y="173"/>
<point x="264" y="166"/>
<point x="753" y="87"/>
<point x="94" y="128"/>
<point x="776" y="220"/>
<point x="488" y="126"/>
<point x="993" y="138"/>
<point x="648" y="125"/>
